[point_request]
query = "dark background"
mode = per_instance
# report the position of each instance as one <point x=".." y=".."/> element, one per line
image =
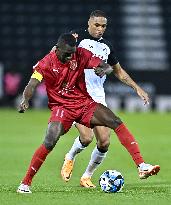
<point x="139" y="30"/>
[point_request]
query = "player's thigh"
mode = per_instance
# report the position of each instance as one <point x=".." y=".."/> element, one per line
<point x="85" y="132"/>
<point x="105" y="117"/>
<point x="102" y="133"/>
<point x="55" y="129"/>
<point x="62" y="115"/>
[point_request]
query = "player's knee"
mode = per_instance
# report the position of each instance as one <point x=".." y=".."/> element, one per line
<point x="51" y="139"/>
<point x="86" y="138"/>
<point x="86" y="141"/>
<point x="117" y="121"/>
<point x="103" y="145"/>
<point x="49" y="142"/>
<point x="112" y="122"/>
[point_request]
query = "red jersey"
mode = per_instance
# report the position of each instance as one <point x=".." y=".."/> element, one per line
<point x="65" y="83"/>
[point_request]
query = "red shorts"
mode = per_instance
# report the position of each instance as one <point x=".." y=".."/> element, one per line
<point x="67" y="116"/>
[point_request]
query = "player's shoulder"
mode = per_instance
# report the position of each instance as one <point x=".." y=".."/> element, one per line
<point x="83" y="52"/>
<point x="105" y="41"/>
<point x="81" y="49"/>
<point x="48" y="58"/>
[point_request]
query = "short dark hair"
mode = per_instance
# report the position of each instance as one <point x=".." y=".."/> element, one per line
<point x="67" y="38"/>
<point x="98" y="13"/>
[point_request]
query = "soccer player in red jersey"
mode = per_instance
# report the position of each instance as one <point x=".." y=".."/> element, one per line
<point x="69" y="101"/>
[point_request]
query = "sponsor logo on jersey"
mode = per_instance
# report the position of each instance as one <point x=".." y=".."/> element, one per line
<point x="56" y="70"/>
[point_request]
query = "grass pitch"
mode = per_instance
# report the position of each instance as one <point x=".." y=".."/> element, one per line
<point x="21" y="134"/>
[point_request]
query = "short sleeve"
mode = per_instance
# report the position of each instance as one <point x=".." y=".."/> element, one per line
<point x="93" y="62"/>
<point x="112" y="59"/>
<point x="90" y="59"/>
<point x="40" y="67"/>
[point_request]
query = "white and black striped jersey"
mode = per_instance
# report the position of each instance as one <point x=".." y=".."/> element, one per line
<point x="102" y="49"/>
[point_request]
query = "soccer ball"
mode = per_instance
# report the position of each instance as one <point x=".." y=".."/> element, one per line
<point x="111" y="181"/>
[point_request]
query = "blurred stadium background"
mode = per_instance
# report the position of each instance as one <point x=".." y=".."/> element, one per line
<point x="139" y="30"/>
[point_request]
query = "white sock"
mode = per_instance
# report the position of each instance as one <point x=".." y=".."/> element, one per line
<point x="76" y="148"/>
<point x="96" y="159"/>
<point x="142" y="164"/>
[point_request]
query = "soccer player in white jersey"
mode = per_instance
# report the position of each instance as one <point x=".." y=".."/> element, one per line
<point x="92" y="39"/>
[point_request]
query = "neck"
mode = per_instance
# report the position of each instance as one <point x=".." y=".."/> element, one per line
<point x="57" y="54"/>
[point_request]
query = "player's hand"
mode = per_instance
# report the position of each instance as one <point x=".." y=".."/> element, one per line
<point x="99" y="72"/>
<point x="143" y="95"/>
<point x="24" y="105"/>
<point x="103" y="71"/>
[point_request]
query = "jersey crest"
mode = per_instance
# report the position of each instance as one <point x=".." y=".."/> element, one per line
<point x="73" y="64"/>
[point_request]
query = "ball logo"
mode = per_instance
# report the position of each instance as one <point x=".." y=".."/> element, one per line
<point x="73" y="65"/>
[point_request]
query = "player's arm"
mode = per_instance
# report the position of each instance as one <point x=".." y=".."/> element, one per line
<point x="123" y="76"/>
<point x="93" y="62"/>
<point x="27" y="94"/>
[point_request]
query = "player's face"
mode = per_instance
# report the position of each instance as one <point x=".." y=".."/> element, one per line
<point x="65" y="52"/>
<point x="97" y="26"/>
